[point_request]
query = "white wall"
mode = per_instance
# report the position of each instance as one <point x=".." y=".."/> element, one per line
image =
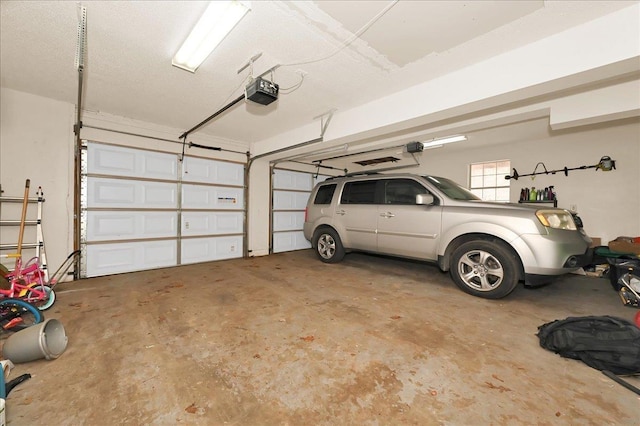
<point x="607" y="202"/>
<point x="258" y="215"/>
<point x="36" y="143"/>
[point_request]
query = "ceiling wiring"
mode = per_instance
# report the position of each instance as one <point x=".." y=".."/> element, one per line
<point x="287" y="90"/>
<point x="296" y="86"/>
<point x="350" y="40"/>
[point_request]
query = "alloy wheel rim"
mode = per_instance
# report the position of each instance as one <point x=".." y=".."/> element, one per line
<point x="480" y="270"/>
<point x="326" y="246"/>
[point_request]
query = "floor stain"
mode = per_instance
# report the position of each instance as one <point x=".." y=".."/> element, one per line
<point x="289" y="340"/>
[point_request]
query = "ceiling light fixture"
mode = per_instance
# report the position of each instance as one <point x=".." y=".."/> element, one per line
<point x="214" y="25"/>
<point x="437" y="143"/>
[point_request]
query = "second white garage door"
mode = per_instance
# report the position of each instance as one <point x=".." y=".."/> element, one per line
<point x="290" y="192"/>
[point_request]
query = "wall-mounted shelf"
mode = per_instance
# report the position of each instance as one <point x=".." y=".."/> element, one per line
<point x="554" y="202"/>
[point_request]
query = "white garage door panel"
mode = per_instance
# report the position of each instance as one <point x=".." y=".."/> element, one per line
<point x="291" y="190"/>
<point x="126" y="225"/>
<point x="209" y="223"/>
<point x="211" y="171"/>
<point x="287" y="200"/>
<point x="287" y="241"/>
<point x="120" y="161"/>
<point x="288" y="221"/>
<point x="106" y="259"/>
<point x="285" y="179"/>
<point x="119" y="193"/>
<point x="214" y="248"/>
<point x="211" y="197"/>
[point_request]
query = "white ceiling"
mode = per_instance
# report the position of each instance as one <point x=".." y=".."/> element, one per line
<point x="130" y="45"/>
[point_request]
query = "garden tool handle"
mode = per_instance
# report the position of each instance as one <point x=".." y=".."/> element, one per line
<point x="25" y="201"/>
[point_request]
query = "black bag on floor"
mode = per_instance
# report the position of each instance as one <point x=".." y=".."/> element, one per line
<point x="606" y="343"/>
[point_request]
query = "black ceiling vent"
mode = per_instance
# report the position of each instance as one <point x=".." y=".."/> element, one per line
<point x="377" y="161"/>
<point x="262" y="91"/>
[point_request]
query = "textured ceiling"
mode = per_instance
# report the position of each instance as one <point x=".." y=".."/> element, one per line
<point x="410" y="31"/>
<point x="130" y="45"/>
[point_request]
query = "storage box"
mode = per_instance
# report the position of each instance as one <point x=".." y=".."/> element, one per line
<point x="624" y="245"/>
<point x="596" y="242"/>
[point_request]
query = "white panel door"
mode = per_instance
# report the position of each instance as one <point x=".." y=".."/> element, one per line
<point x="214" y="248"/>
<point x="289" y="241"/>
<point x="120" y="161"/>
<point x="285" y="179"/>
<point x="212" y="197"/>
<point x="211" y="171"/>
<point x="290" y="193"/>
<point x="212" y="210"/>
<point x="288" y="221"/>
<point x="136" y="214"/>
<point x="107" y="259"/>
<point x="130" y="225"/>
<point x="214" y="216"/>
<point x="210" y="223"/>
<point x="134" y="194"/>
<point x="289" y="200"/>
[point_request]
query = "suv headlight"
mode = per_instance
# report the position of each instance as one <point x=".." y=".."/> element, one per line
<point x="557" y="219"/>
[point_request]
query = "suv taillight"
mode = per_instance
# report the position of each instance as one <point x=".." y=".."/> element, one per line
<point x="306" y="214"/>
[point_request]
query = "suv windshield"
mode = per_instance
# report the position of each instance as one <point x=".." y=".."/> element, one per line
<point x="450" y="188"/>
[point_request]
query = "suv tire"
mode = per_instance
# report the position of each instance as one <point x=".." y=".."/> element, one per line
<point x="327" y="245"/>
<point x="485" y="269"/>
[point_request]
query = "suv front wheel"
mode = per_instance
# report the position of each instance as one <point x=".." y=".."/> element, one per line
<point x="485" y="269"/>
<point x="327" y="245"/>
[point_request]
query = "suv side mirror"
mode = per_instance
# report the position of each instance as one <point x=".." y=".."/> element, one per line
<point x="424" y="199"/>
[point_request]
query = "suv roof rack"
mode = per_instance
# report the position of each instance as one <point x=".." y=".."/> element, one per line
<point x="360" y="173"/>
<point x="352" y="174"/>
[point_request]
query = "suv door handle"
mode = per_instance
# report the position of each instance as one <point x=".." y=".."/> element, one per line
<point x="387" y="214"/>
<point x="341" y="212"/>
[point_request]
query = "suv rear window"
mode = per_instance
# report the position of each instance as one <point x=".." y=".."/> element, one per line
<point x="325" y="194"/>
<point x="359" y="192"/>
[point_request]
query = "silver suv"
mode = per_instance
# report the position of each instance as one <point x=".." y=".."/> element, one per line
<point x="487" y="247"/>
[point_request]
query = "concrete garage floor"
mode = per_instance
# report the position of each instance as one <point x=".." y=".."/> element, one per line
<point x="286" y="339"/>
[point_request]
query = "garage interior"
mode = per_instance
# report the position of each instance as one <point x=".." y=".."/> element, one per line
<point x="195" y="299"/>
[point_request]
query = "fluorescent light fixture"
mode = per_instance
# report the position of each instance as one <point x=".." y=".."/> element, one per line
<point x="437" y="143"/>
<point x="214" y="25"/>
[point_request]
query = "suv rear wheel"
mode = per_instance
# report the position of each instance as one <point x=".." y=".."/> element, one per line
<point x="327" y="245"/>
<point x="485" y="269"/>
